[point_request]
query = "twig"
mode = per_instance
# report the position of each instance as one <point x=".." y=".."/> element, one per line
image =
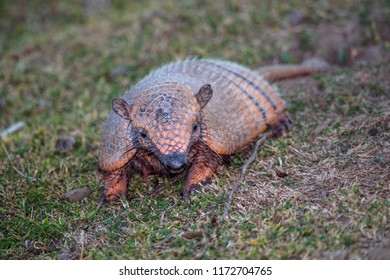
<point x="252" y="157"/>
<point x="169" y="236"/>
<point x="82" y="244"/>
<point x="313" y="135"/>
<point x="13" y="128"/>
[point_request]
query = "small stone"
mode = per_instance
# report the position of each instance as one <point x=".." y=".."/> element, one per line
<point x="281" y="173"/>
<point x="193" y="235"/>
<point x="120" y="70"/>
<point x="65" y="256"/>
<point x="77" y="194"/>
<point x="65" y="144"/>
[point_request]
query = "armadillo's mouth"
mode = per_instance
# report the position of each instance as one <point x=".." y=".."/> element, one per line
<point x="176" y="171"/>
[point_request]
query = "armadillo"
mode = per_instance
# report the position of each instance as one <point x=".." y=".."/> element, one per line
<point x="184" y="118"/>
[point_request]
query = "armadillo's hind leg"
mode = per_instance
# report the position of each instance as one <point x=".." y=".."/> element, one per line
<point x="205" y="163"/>
<point x="115" y="184"/>
<point x="282" y="125"/>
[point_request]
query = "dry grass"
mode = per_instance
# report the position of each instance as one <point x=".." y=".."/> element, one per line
<point x="321" y="191"/>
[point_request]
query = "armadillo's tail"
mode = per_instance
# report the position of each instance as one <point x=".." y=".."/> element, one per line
<point x="274" y="73"/>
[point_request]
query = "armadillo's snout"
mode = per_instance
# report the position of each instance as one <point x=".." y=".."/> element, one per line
<point x="175" y="162"/>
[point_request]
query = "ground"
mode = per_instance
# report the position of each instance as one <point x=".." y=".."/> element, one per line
<point x="320" y="192"/>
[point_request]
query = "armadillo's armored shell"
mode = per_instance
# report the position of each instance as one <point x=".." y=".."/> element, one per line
<point x="242" y="106"/>
<point x="117" y="146"/>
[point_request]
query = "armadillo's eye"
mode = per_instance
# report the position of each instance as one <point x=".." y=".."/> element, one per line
<point x="195" y="127"/>
<point x="143" y="134"/>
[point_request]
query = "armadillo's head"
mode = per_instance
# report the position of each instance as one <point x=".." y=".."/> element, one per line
<point x="166" y="120"/>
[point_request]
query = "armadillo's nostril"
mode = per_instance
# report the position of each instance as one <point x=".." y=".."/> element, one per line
<point x="176" y="162"/>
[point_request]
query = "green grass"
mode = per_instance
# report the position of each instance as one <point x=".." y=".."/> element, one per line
<point x="56" y="74"/>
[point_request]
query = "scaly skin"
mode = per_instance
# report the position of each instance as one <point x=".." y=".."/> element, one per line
<point x="184" y="118"/>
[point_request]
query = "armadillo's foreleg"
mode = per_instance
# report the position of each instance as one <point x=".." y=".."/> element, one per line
<point x="115" y="184"/>
<point x="205" y="163"/>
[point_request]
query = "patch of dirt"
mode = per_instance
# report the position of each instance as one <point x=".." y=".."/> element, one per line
<point x="380" y="252"/>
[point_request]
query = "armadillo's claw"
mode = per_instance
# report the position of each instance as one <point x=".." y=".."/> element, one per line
<point x="283" y="125"/>
<point x="115" y="185"/>
<point x="205" y="163"/>
<point x="102" y="201"/>
<point x="190" y="190"/>
<point x="158" y="188"/>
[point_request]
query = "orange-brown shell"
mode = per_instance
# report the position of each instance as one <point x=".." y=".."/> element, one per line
<point x="242" y="106"/>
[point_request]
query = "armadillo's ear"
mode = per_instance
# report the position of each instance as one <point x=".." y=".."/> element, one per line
<point x="204" y="95"/>
<point x="122" y="108"/>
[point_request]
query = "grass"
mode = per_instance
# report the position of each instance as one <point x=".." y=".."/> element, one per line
<point x="62" y="63"/>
